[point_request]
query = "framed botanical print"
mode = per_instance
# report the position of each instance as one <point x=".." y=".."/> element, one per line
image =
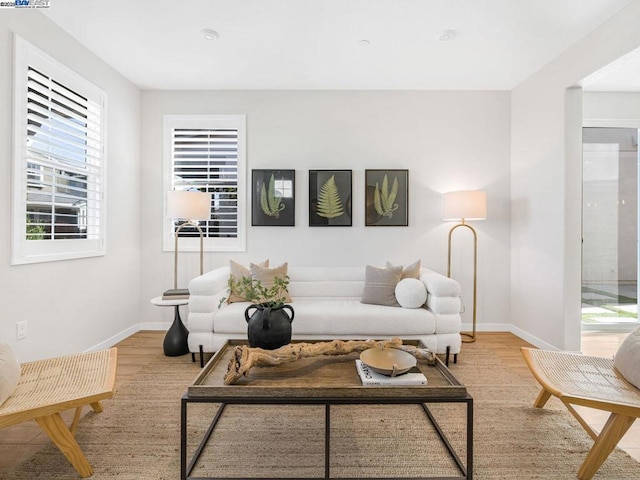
<point x="329" y="198"/>
<point x="273" y="198"/>
<point x="386" y="198"/>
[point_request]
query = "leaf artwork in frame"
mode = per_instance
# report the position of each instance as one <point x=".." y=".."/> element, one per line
<point x="270" y="200"/>
<point x="273" y="198"/>
<point x="387" y="198"/>
<point x="330" y="198"/>
<point x="384" y="200"/>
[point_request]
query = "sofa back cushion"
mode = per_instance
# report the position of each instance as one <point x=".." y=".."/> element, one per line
<point x="326" y="282"/>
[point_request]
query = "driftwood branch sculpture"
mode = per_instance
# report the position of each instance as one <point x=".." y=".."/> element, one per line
<point x="243" y="357"/>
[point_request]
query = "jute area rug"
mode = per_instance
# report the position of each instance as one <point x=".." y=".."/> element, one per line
<point x="137" y="437"/>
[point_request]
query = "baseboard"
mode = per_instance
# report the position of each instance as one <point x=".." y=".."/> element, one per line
<point x="506" y="327"/>
<point x="532" y="339"/>
<point x="127" y="332"/>
<point x="485" y="327"/>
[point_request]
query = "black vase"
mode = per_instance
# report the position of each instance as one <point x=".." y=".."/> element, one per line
<point x="268" y="327"/>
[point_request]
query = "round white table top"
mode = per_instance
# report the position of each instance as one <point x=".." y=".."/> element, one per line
<point x="169" y="303"/>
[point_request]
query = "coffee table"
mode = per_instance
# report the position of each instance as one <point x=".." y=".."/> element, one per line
<point x="333" y="381"/>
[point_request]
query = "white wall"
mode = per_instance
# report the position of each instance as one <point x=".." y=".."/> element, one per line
<point x="447" y="140"/>
<point x="72" y="306"/>
<point x="611" y="109"/>
<point x="546" y="180"/>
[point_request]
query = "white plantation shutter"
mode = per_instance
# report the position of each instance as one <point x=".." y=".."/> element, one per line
<point x="206" y="154"/>
<point x="59" y="180"/>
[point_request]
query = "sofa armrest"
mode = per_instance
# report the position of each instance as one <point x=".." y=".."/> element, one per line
<point x="205" y="293"/>
<point x="210" y="283"/>
<point x="443" y="293"/>
<point x="439" y="285"/>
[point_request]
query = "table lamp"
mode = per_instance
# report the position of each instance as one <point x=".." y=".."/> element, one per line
<point x="190" y="206"/>
<point x="462" y="206"/>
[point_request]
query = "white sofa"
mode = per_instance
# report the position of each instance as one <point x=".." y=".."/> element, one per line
<point x="327" y="305"/>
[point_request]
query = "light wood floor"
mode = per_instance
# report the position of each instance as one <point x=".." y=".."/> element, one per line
<point x="20" y="442"/>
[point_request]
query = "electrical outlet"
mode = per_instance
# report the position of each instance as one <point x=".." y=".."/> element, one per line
<point x="21" y="330"/>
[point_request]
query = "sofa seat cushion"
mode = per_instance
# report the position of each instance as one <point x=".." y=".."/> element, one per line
<point x="338" y="316"/>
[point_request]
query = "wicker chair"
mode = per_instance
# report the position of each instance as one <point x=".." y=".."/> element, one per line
<point x="591" y="382"/>
<point x="48" y="387"/>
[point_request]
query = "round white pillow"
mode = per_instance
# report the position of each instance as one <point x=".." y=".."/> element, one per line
<point x="627" y="358"/>
<point x="411" y="293"/>
<point x="9" y="372"/>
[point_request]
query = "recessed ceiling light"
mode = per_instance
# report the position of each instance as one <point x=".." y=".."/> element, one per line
<point x="446" y="35"/>
<point x="209" y="34"/>
<point x="363" y="43"/>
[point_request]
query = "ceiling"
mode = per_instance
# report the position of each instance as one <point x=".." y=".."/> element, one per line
<point x="322" y="44"/>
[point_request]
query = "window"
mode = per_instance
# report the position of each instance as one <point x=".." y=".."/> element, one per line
<point x="58" y="175"/>
<point x="206" y="153"/>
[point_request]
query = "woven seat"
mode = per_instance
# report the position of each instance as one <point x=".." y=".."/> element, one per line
<point x="591" y="382"/>
<point x="48" y="387"/>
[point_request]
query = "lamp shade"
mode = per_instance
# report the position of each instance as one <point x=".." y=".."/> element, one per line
<point x="464" y="205"/>
<point x="188" y="205"/>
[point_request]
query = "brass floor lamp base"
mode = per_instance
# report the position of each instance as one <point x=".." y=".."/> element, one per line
<point x="468" y="337"/>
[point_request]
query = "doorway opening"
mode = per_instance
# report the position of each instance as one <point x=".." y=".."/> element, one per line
<point x="610" y="228"/>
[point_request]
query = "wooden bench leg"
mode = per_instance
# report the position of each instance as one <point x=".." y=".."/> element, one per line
<point x="543" y="398"/>
<point x="613" y="431"/>
<point x="62" y="437"/>
<point x="97" y="407"/>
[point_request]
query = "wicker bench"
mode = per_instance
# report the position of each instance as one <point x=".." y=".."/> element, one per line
<point x="590" y="382"/>
<point x="48" y="387"/>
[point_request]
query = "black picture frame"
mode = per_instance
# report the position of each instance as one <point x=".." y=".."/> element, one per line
<point x="273" y="197"/>
<point x="386" y="201"/>
<point x="330" y="198"/>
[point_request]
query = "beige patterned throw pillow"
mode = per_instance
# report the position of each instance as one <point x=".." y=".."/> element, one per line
<point x="266" y="276"/>
<point x="410" y="271"/>
<point x="238" y="271"/>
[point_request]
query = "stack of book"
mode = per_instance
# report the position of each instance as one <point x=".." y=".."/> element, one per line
<point x="176" y="294"/>
<point x="368" y="377"/>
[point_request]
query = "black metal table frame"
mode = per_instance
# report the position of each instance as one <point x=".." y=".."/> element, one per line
<point x="186" y="469"/>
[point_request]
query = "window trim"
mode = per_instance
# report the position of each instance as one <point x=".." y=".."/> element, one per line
<point x="211" y="244"/>
<point x="25" y="251"/>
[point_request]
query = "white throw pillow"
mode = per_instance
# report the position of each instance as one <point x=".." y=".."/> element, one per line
<point x="627" y="358"/>
<point x="411" y="293"/>
<point x="9" y="372"/>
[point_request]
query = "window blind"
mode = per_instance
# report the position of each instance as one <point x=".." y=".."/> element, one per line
<point x="64" y="164"/>
<point x="206" y="160"/>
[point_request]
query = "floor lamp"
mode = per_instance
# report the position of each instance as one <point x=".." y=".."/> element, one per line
<point x="189" y="206"/>
<point x="462" y="206"/>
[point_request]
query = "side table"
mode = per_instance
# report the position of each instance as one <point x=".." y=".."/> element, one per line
<point x="175" y="341"/>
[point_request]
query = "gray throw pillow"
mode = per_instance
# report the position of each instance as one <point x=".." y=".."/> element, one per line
<point x="380" y="285"/>
<point x="627" y="358"/>
<point x="9" y="372"/>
